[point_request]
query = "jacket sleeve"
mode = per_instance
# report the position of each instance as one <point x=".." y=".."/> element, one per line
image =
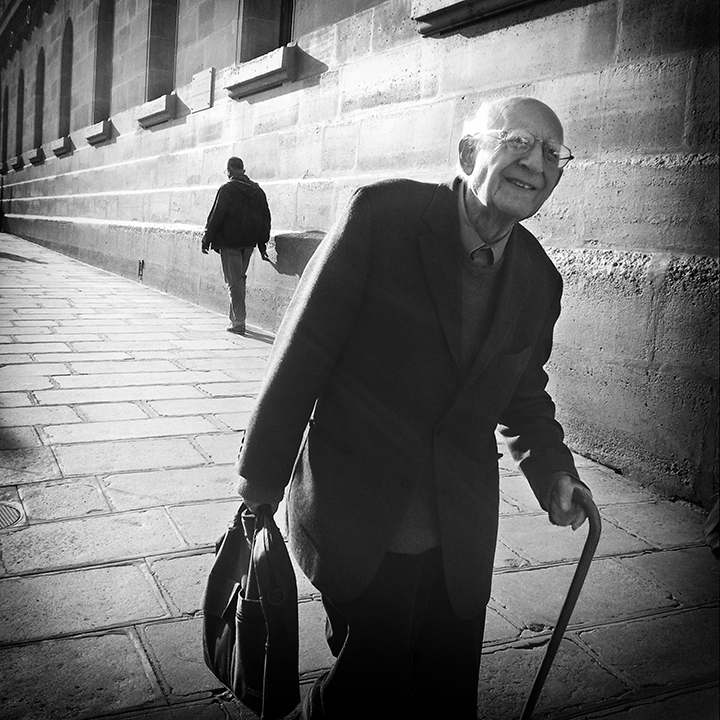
<point x="315" y="327"/>
<point x="265" y="222"/>
<point x="534" y="437"/>
<point x="215" y="218"/>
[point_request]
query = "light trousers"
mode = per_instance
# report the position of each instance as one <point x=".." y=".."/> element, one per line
<point x="235" y="262"/>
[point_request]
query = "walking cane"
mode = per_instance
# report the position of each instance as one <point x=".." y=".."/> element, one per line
<point x="572" y="596"/>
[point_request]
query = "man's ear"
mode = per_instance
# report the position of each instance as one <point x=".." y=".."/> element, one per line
<point x="560" y="174"/>
<point x="467" y="152"/>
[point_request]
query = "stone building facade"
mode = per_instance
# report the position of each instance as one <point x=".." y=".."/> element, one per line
<point x="117" y="116"/>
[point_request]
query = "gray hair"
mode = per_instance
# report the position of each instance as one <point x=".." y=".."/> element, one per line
<point x="489" y="114"/>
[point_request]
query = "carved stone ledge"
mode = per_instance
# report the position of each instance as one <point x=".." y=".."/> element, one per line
<point x="264" y="72"/>
<point x="37" y="156"/>
<point x="17" y="163"/>
<point x="157" y="111"/>
<point x="62" y="146"/>
<point x="437" y="18"/>
<point x="99" y="132"/>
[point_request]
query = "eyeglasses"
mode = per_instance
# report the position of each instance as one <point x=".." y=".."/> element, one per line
<point x="521" y="142"/>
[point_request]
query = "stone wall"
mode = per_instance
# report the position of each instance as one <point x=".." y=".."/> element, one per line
<point x="633" y="226"/>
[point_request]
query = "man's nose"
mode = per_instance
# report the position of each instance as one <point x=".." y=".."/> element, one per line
<point x="533" y="159"/>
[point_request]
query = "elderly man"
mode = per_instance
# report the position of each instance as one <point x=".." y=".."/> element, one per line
<point x="238" y="221"/>
<point x="421" y="324"/>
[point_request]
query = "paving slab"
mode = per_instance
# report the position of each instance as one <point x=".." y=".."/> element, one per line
<point x="74" y="678"/>
<point x="661" y="651"/>
<point x="58" y="500"/>
<point x="88" y="432"/>
<point x="27" y="465"/>
<point x="506" y="677"/>
<point x="611" y="592"/>
<point x="87" y="541"/>
<point x="104" y="394"/>
<point x="202" y="524"/>
<point x="172" y="486"/>
<point x="113" y="456"/>
<point x="12" y="438"/>
<point x="76" y="602"/>
<point x="183" y="579"/>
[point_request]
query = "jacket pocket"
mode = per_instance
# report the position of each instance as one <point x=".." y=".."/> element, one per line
<point x="328" y="439"/>
<point x="510" y="361"/>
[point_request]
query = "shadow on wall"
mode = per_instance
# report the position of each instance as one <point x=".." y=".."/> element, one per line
<point x="294" y="250"/>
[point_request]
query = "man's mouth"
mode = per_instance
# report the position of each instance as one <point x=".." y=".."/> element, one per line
<point x="519" y="183"/>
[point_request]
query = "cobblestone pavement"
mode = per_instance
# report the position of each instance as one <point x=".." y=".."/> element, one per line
<point x="120" y="407"/>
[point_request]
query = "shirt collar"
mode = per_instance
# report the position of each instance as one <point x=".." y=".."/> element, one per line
<point x="469" y="236"/>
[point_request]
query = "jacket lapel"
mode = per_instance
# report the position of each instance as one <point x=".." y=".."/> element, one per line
<point x="439" y="248"/>
<point x="514" y="287"/>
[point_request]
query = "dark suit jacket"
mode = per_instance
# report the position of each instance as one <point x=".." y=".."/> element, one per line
<point x="370" y="346"/>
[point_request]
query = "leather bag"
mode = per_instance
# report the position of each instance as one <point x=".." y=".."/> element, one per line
<point x="250" y="624"/>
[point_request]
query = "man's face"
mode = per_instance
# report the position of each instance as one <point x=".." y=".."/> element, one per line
<point x="513" y="188"/>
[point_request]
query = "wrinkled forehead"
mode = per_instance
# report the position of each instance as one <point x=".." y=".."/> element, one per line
<point x="531" y="115"/>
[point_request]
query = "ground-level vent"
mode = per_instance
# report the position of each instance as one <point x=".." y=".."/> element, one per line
<point x="9" y="515"/>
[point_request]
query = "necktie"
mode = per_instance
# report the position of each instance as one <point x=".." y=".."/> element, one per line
<point x="482" y="256"/>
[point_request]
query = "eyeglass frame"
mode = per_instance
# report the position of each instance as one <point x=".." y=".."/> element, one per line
<point x="501" y="136"/>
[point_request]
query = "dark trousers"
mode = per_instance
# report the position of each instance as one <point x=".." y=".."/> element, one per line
<point x="401" y="652"/>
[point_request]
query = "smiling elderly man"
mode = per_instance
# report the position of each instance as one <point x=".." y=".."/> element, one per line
<point x="421" y="324"/>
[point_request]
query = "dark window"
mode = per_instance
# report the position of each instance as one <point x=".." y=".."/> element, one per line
<point x="266" y="26"/>
<point x="5" y="123"/>
<point x="20" y="117"/>
<point x="162" y="48"/>
<point x="66" y="62"/>
<point x="39" y="100"/>
<point x="104" y="60"/>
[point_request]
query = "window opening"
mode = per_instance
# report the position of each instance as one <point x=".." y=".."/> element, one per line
<point x="66" y="80"/>
<point x="104" y="60"/>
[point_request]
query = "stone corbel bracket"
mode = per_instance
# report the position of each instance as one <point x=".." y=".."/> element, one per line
<point x="62" y="146"/>
<point x="264" y="72"/>
<point x="17" y="163"/>
<point x="436" y="18"/>
<point x="37" y="156"/>
<point x="99" y="132"/>
<point x="158" y="111"/>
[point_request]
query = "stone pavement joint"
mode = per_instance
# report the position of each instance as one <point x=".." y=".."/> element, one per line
<point x="120" y="408"/>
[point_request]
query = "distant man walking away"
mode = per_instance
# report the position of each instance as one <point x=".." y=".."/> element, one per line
<point x="239" y="220"/>
<point x="422" y="322"/>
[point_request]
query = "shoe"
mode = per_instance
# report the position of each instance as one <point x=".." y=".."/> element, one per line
<point x="236" y="329"/>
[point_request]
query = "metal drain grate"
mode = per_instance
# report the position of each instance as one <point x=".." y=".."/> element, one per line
<point x="9" y="515"/>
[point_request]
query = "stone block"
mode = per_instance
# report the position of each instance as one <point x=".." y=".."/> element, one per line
<point x="498" y="628"/>
<point x="415" y="137"/>
<point x="111" y="411"/>
<point x="650" y="27"/>
<point x="14" y="438"/>
<point x="637" y="419"/>
<point x="611" y="592"/>
<point x="90" y="432"/>
<point x="340" y="144"/>
<point x="116" y="456"/>
<point x="383" y="79"/>
<point x="178" y="655"/>
<point x="118" y="394"/>
<point x="80" y="677"/>
<point x="687" y="314"/>
<point x="183" y="580"/>
<point x="703" y="704"/>
<point x="690" y="574"/>
<point x="129" y="491"/>
<point x="661" y="524"/>
<point x="703" y="124"/>
<point x="27" y="465"/>
<point x="76" y="602"/>
<point x="607" y="302"/>
<point x="125" y="379"/>
<point x="506" y="678"/>
<point x="533" y="537"/>
<point x="99" y="539"/>
<point x="654" y="652"/>
<point x="55" y="501"/>
<point x="578" y="40"/>
<point x="203" y="523"/>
